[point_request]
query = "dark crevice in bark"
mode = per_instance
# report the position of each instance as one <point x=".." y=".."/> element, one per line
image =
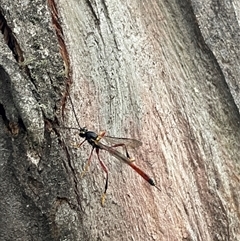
<point x="10" y="39"/>
<point x="14" y="46"/>
<point x="4" y="117"/>
<point x="64" y="53"/>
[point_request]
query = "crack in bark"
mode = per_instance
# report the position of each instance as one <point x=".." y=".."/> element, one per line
<point x="62" y="48"/>
<point x="10" y="39"/>
<point x="64" y="53"/>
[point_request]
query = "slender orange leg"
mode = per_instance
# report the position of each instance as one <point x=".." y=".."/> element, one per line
<point x="106" y="171"/>
<point x="81" y="143"/>
<point x="102" y="134"/>
<point x="78" y="145"/>
<point x="125" y="147"/>
<point x="87" y="164"/>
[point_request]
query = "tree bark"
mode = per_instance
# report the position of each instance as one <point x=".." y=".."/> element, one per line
<point x="163" y="72"/>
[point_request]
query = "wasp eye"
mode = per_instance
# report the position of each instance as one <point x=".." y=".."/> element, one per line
<point x="83" y="131"/>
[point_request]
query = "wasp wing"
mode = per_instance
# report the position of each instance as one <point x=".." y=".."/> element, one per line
<point x="113" y="152"/>
<point x="123" y="158"/>
<point x="128" y="142"/>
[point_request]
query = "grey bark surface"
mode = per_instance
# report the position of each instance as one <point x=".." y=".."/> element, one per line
<point x="163" y="72"/>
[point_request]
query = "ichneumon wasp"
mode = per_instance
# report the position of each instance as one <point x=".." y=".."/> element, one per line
<point x="94" y="140"/>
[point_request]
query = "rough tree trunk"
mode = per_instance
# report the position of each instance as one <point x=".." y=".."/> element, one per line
<point x="164" y="72"/>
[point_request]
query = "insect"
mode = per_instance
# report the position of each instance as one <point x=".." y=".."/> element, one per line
<point x="95" y="140"/>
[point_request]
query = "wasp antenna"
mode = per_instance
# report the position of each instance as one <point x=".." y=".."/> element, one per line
<point x="69" y="128"/>
<point x="158" y="188"/>
<point x="74" y="112"/>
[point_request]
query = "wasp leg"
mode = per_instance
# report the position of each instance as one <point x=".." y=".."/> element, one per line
<point x="77" y="145"/>
<point x="87" y="164"/>
<point x="131" y="159"/>
<point x="106" y="183"/>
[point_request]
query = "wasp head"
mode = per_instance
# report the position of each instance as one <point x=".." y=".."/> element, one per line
<point x="83" y="131"/>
